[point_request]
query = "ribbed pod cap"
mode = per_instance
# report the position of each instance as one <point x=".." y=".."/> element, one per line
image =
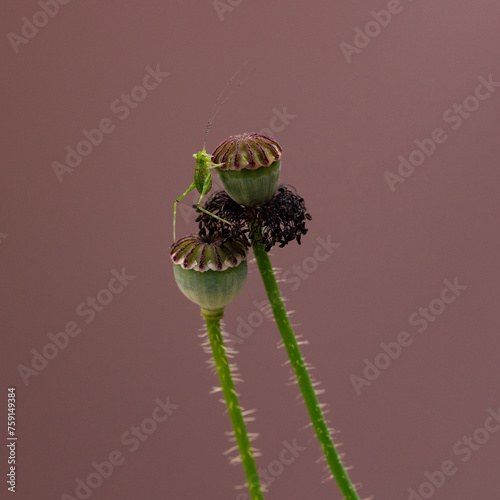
<point x="251" y="167"/>
<point x="209" y="271"/>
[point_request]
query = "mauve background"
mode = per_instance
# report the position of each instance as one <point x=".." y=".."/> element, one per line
<point x="351" y="123"/>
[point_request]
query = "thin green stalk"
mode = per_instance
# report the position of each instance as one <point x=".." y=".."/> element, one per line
<point x="299" y="367"/>
<point x="223" y="369"/>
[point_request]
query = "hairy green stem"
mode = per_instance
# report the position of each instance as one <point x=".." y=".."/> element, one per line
<point x="299" y="367"/>
<point x="223" y="369"/>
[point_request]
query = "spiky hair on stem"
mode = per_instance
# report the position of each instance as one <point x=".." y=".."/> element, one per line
<point x="281" y="220"/>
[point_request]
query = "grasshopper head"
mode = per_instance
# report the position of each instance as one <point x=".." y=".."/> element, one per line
<point x="203" y="159"/>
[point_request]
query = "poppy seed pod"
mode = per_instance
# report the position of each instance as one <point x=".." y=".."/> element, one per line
<point x="209" y="271"/>
<point x="251" y="165"/>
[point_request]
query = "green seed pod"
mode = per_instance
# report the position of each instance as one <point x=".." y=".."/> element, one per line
<point x="209" y="271"/>
<point x="251" y="167"/>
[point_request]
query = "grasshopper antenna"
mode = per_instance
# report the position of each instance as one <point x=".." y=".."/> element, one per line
<point x="221" y="100"/>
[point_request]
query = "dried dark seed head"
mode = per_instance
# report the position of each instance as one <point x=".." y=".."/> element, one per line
<point x="221" y="203"/>
<point x="280" y="220"/>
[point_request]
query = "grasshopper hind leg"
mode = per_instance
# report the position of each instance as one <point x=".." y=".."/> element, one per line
<point x="188" y="190"/>
<point x="199" y="207"/>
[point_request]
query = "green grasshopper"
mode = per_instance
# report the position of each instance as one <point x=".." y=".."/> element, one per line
<point x="202" y="182"/>
<point x="204" y="164"/>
